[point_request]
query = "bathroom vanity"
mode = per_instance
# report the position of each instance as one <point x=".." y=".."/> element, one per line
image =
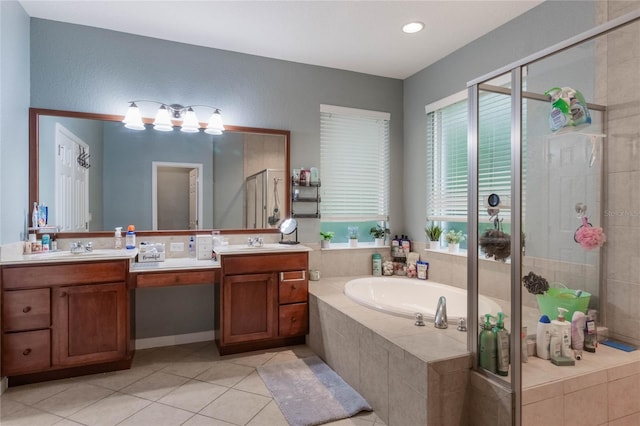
<point x="65" y="318"/>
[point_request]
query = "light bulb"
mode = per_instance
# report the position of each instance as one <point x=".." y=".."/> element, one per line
<point x="133" y="119"/>
<point x="215" y="126"/>
<point x="163" y="121"/>
<point x="190" y="123"/>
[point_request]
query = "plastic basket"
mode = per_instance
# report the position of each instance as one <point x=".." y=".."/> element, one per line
<point x="565" y="298"/>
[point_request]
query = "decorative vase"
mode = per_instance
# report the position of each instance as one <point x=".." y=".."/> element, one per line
<point x="325" y="244"/>
<point x="434" y="245"/>
<point x="379" y="242"/>
<point x="454" y="247"/>
<point x="353" y="242"/>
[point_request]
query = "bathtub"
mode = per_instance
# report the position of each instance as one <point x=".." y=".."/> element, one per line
<point x="405" y="297"/>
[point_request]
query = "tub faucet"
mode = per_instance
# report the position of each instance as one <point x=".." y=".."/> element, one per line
<point x="441" y="314"/>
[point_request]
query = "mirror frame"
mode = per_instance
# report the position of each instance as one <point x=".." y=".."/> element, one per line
<point x="34" y="161"/>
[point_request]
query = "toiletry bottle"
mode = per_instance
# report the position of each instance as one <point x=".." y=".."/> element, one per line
<point x="395" y="244"/>
<point x="555" y="345"/>
<point x="34" y="215"/>
<point x="524" y="354"/>
<point x="42" y="215"/>
<point x="590" y="332"/>
<point x="488" y="346"/>
<point x="315" y="177"/>
<point x="376" y="264"/>
<point x="54" y="243"/>
<point x="192" y="247"/>
<point x="564" y="331"/>
<point x="502" y="345"/>
<point x="577" y="333"/>
<point x="543" y="337"/>
<point x="46" y="242"/>
<point x="130" y="238"/>
<point x="117" y="243"/>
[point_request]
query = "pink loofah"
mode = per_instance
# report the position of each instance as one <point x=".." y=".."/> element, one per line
<point x="589" y="237"/>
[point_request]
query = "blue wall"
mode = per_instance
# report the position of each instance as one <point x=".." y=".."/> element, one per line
<point x="14" y="121"/>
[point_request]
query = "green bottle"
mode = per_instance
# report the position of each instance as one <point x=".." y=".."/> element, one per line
<point x="488" y="346"/>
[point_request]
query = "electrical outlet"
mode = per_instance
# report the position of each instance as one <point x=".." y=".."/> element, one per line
<point x="177" y="247"/>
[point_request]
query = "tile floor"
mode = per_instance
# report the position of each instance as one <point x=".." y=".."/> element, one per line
<point x="176" y="385"/>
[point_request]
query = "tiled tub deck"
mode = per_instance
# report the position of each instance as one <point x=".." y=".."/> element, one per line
<point x="422" y="375"/>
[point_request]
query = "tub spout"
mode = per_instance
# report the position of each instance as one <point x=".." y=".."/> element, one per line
<point x="441" y="314"/>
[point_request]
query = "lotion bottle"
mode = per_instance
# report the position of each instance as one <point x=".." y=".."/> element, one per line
<point x="577" y="333"/>
<point x="488" y="346"/>
<point x="543" y="337"/>
<point x="502" y="345"/>
<point x="564" y="331"/>
<point x="555" y="345"/>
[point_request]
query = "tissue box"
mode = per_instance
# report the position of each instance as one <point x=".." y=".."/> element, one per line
<point x="151" y="252"/>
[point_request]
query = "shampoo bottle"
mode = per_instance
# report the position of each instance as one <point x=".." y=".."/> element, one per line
<point x="543" y="337"/>
<point x="564" y="331"/>
<point x="117" y="243"/>
<point x="577" y="333"/>
<point x="34" y="215"/>
<point x="488" y="346"/>
<point x="590" y="332"/>
<point x="130" y="238"/>
<point x="502" y="343"/>
<point x="555" y="345"/>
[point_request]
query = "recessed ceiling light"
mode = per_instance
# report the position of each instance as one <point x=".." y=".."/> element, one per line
<point x="413" y="27"/>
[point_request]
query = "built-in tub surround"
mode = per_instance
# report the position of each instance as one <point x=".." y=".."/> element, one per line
<point x="406" y="297"/>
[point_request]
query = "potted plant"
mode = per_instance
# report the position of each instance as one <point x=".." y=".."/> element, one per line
<point x="433" y="232"/>
<point x="326" y="239"/>
<point x="379" y="234"/>
<point x="353" y="236"/>
<point x="454" y="238"/>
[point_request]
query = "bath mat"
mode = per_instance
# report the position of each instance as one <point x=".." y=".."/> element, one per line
<point x="308" y="392"/>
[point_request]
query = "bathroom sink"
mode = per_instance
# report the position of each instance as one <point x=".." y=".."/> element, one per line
<point x="66" y="254"/>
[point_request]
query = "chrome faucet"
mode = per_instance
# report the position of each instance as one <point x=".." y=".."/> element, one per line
<point x="441" y="314"/>
<point x="80" y="247"/>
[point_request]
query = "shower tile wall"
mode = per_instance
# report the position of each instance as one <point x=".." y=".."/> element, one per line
<point x="619" y="70"/>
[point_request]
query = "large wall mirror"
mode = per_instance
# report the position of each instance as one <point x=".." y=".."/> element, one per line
<point x="94" y="175"/>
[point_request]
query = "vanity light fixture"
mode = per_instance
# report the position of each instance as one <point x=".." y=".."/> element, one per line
<point x="413" y="27"/>
<point x="166" y="113"/>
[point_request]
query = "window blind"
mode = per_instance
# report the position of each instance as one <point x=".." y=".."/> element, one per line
<point x="354" y="160"/>
<point x="447" y="163"/>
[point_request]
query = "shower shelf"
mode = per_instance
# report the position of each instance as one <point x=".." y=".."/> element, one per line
<point x="305" y="194"/>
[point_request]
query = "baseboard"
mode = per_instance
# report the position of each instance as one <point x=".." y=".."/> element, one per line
<point x="178" y="339"/>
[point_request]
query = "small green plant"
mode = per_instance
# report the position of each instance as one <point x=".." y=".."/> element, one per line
<point x="454" y="237"/>
<point x="378" y="231"/>
<point x="433" y="232"/>
<point x="327" y="235"/>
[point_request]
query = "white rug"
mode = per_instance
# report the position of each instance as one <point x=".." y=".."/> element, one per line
<point x="310" y="393"/>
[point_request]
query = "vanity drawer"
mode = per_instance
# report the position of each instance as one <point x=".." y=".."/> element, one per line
<point x="65" y="274"/>
<point x="26" y="309"/>
<point x="261" y="263"/>
<point x="26" y="352"/>
<point x="293" y="287"/>
<point x="293" y="320"/>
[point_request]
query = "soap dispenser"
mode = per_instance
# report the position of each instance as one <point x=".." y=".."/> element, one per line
<point x="502" y="345"/>
<point x="564" y="332"/>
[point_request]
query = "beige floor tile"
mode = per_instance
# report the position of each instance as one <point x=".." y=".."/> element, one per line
<point x="193" y="396"/>
<point x="110" y="410"/>
<point x="9" y="406"/>
<point x="73" y="399"/>
<point x="67" y="422"/>
<point x="254" y="384"/>
<point x="252" y="359"/>
<point x="155" y="386"/>
<point x="352" y="421"/>
<point x="225" y="373"/>
<point x="190" y="366"/>
<point x="199" y="420"/>
<point x="116" y="380"/>
<point x="159" y="358"/>
<point x="236" y="407"/>
<point x="269" y="416"/>
<point x="31" y="394"/>
<point x="282" y="357"/>
<point x="158" y="414"/>
<point x="30" y="416"/>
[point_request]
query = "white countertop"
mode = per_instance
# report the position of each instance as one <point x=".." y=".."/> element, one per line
<point x="60" y="256"/>
<point x="266" y="248"/>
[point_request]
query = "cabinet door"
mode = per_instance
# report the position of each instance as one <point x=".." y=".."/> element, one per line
<point x="249" y="308"/>
<point x="89" y="324"/>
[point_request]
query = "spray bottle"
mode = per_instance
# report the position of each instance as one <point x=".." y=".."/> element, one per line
<point x="488" y="346"/>
<point x="502" y="342"/>
<point x="577" y="333"/>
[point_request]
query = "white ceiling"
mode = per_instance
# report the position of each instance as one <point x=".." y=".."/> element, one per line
<point x="361" y="36"/>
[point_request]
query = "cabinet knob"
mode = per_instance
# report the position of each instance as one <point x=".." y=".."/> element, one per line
<point x="293" y="287"/>
<point x="26" y="309"/>
<point x="293" y="319"/>
<point x="26" y="352"/>
<point x="63" y="294"/>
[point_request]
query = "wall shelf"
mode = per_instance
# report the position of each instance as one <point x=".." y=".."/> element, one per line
<point x="305" y="194"/>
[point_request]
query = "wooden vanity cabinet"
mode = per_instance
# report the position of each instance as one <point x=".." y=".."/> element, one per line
<point x="263" y="301"/>
<point x="62" y="316"/>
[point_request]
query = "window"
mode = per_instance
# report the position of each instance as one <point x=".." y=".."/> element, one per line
<point x="354" y="161"/>
<point x="447" y="163"/>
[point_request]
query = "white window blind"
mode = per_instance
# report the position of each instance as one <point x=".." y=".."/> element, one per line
<point x="354" y="161"/>
<point x="447" y="157"/>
